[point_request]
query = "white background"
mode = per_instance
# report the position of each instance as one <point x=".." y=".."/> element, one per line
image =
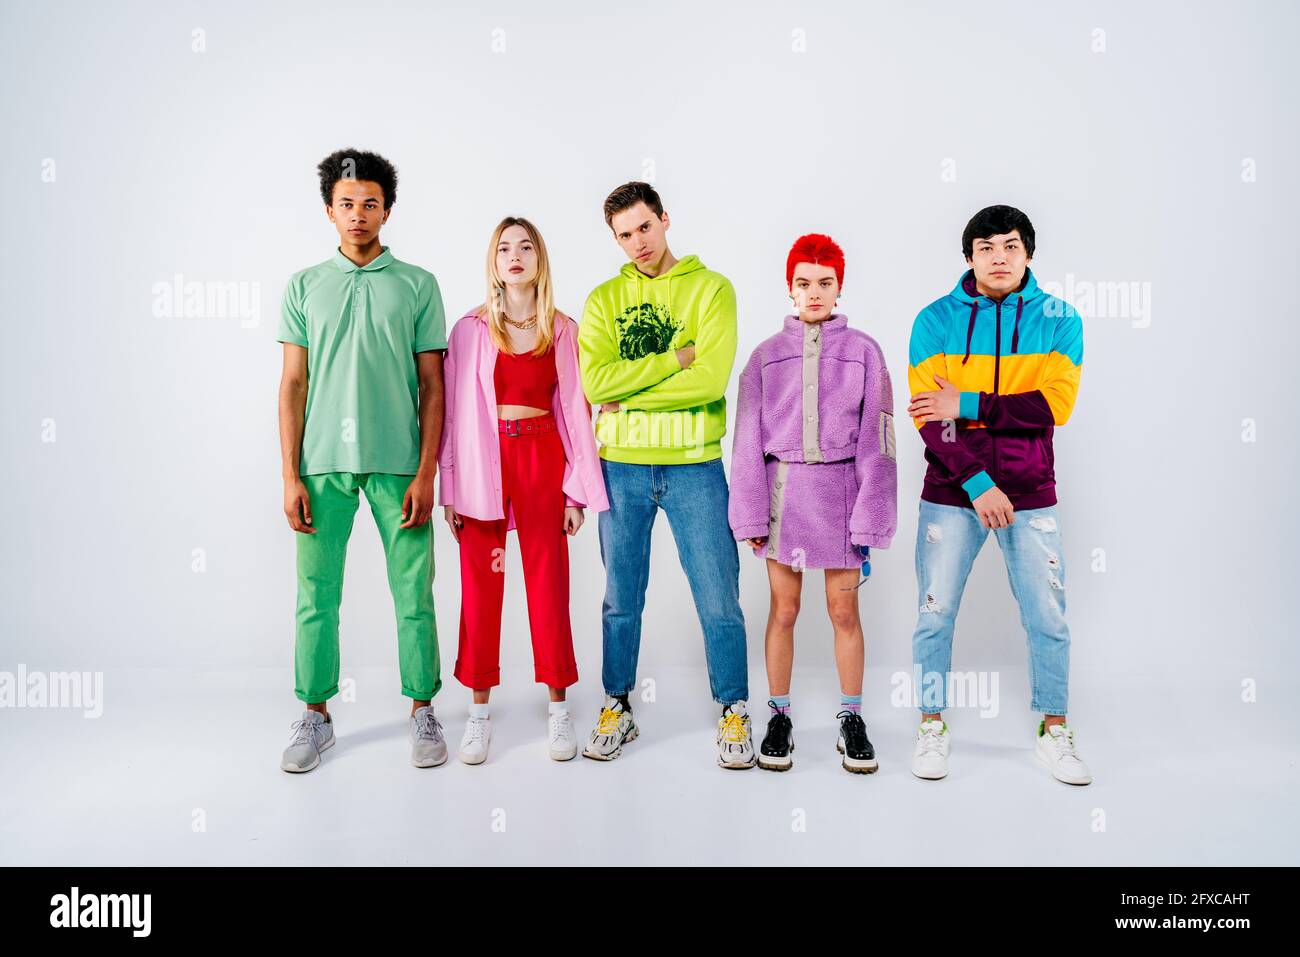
<point x="1129" y="161"/>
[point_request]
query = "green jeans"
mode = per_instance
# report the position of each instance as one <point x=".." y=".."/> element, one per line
<point x="409" y="554"/>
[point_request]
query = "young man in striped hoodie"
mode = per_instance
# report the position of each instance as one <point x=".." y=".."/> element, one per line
<point x="993" y="368"/>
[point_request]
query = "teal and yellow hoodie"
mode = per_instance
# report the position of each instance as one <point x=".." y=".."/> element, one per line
<point x="631" y="329"/>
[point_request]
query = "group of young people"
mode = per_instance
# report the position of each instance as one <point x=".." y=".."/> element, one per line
<point x="377" y="398"/>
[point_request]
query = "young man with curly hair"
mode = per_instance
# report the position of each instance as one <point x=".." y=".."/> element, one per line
<point x="361" y="409"/>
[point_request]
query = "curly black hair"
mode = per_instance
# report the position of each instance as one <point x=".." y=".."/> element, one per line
<point x="995" y="221"/>
<point x="357" y="164"/>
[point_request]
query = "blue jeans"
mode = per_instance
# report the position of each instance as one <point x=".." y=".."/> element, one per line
<point x="947" y="540"/>
<point x="694" y="496"/>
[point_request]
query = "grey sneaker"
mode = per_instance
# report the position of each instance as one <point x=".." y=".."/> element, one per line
<point x="428" y="746"/>
<point x="312" y="734"/>
<point x="614" y="728"/>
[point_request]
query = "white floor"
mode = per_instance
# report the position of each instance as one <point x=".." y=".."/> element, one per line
<point x="182" y="768"/>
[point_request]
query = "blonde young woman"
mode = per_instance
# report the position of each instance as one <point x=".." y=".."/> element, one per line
<point x="517" y="452"/>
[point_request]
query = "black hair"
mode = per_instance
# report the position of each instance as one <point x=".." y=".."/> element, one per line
<point x="357" y="164"/>
<point x="627" y="196"/>
<point x="994" y="221"/>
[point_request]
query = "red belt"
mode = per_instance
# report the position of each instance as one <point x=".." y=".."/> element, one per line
<point x="537" y="425"/>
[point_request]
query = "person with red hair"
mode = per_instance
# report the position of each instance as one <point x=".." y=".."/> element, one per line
<point x="814" y="482"/>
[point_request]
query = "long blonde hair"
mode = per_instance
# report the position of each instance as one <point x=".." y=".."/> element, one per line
<point x="493" y="309"/>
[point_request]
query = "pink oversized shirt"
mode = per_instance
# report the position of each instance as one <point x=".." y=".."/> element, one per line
<point x="469" y="458"/>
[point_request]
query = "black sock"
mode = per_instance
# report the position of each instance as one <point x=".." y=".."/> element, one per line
<point x="622" y="699"/>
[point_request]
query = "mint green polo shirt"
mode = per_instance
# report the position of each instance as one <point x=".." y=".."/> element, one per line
<point x="362" y="326"/>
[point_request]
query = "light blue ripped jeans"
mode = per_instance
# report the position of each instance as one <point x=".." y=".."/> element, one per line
<point x="947" y="540"/>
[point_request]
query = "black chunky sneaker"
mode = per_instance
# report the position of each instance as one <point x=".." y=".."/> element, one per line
<point x="859" y="755"/>
<point x="778" y="743"/>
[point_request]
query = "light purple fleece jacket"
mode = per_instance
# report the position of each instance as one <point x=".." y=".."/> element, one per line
<point x="816" y="395"/>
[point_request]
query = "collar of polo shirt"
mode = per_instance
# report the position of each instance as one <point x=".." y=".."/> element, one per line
<point x="347" y="265"/>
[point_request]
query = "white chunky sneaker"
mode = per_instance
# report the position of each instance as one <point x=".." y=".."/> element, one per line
<point x="1055" y="751"/>
<point x="930" y="756"/>
<point x="561" y="739"/>
<point x="735" y="744"/>
<point x="474" y="742"/>
<point x="614" y="728"/>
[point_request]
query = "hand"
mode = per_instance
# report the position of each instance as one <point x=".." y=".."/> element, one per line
<point x="417" y="503"/>
<point x="609" y="407"/>
<point x="757" y="542"/>
<point x="297" y="506"/>
<point x="936" y="406"/>
<point x="686" y="355"/>
<point x="994" y="509"/>
<point x="454" y="521"/>
<point x="573" y="519"/>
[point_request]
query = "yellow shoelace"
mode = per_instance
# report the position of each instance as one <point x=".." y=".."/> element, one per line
<point x="608" y="723"/>
<point x="733" y="728"/>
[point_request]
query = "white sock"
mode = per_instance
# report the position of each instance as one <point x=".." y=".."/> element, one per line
<point x="556" y="707"/>
<point x="478" y="710"/>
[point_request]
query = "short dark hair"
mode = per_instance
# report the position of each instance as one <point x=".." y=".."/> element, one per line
<point x="627" y="196"/>
<point x="994" y="221"/>
<point x="357" y="164"/>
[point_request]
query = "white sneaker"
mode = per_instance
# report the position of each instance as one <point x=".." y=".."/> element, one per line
<point x="930" y="757"/>
<point x="563" y="743"/>
<point x="474" y="742"/>
<point x="1055" y="751"/>
<point x="735" y="744"/>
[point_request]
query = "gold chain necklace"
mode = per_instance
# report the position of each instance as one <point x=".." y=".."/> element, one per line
<point x="525" y="324"/>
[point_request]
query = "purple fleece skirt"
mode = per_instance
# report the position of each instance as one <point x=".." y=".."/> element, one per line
<point x="808" y="517"/>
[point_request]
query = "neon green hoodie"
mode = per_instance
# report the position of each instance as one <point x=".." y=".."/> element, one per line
<point x="631" y="330"/>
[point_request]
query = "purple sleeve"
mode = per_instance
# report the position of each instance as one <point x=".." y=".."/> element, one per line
<point x="875" y="512"/>
<point x="966" y="468"/>
<point x="1016" y="410"/>
<point x="747" y="506"/>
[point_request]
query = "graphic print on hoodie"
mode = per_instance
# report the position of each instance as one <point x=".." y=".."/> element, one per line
<point x="632" y="327"/>
<point x="1017" y="363"/>
<point x="645" y="329"/>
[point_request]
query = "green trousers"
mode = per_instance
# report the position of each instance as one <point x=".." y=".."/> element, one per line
<point x="409" y="554"/>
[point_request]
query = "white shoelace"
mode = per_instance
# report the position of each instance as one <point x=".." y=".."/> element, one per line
<point x="931" y="740"/>
<point x="1064" y="743"/>
<point x="562" y="728"/>
<point x="476" y="731"/>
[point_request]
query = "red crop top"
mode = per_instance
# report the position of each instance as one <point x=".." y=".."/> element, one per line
<point x="525" y="379"/>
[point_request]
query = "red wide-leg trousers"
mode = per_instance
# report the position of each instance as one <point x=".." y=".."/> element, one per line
<point x="532" y="475"/>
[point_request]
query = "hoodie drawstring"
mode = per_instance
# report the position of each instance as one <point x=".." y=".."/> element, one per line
<point x="1015" y="332"/>
<point x="970" y="328"/>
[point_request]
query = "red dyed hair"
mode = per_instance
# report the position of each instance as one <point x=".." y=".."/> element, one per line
<point x="817" y="249"/>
